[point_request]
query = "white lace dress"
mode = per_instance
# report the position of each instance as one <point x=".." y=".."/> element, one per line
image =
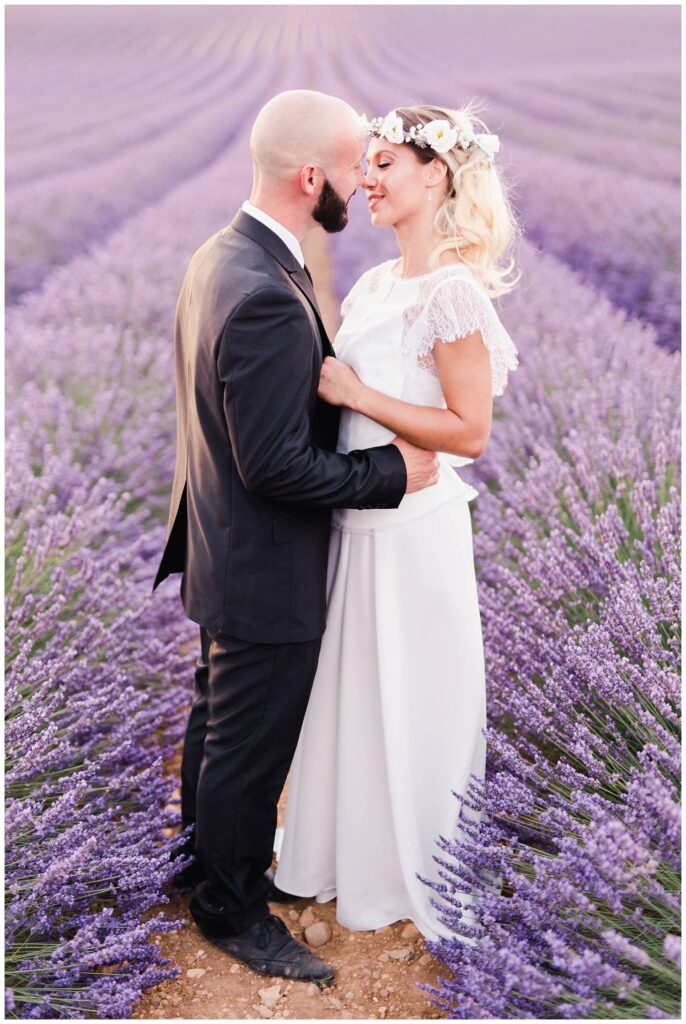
<point x="395" y="718"/>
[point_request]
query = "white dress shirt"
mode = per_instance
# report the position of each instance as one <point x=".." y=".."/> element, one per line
<point x="286" y="236"/>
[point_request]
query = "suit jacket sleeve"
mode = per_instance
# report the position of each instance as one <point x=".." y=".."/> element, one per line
<point x="265" y="361"/>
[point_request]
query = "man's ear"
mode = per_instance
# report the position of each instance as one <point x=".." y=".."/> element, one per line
<point x="309" y="179"/>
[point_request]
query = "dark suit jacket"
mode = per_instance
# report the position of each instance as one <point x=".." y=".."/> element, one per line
<point x="257" y="473"/>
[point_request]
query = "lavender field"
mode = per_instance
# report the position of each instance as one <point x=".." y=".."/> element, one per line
<point x="126" y="147"/>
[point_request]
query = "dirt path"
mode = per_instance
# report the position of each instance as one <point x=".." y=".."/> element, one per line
<point x="376" y="971"/>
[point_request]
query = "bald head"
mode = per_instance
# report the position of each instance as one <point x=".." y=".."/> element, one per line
<point x="301" y="127"/>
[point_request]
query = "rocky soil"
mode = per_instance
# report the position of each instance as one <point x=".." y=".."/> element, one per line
<point x="376" y="972"/>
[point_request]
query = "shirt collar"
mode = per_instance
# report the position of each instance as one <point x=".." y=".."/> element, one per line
<point x="286" y="236"/>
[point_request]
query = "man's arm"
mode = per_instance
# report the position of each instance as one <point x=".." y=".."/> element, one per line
<point x="264" y="360"/>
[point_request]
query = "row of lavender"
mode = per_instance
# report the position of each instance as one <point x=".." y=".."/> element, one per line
<point x="595" y="192"/>
<point x="577" y="548"/>
<point x="133" y="130"/>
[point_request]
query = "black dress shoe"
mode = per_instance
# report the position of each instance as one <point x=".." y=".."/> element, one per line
<point x="266" y="947"/>
<point x="276" y="895"/>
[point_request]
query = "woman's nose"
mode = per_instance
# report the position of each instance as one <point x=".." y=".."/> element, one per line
<point x="369" y="178"/>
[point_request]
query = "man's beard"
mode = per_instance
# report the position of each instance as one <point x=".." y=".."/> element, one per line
<point x="331" y="210"/>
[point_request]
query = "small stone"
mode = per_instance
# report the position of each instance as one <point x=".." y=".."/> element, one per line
<point x="270" y="996"/>
<point x="307" y="917"/>
<point x="350" y="994"/>
<point x="195" y="972"/>
<point x="402" y="953"/>
<point x="410" y="931"/>
<point x="384" y="993"/>
<point x="293" y="914"/>
<point x="383" y="1010"/>
<point x="317" y="934"/>
<point x="425" y="959"/>
<point x="312" y="989"/>
<point x="386" y="930"/>
<point x="383" y="958"/>
<point x="234" y="968"/>
<point x="200" y="954"/>
<point x="336" y="1003"/>
<point x="264" y="1011"/>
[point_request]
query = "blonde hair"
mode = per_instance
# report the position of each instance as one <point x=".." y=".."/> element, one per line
<point x="475" y="217"/>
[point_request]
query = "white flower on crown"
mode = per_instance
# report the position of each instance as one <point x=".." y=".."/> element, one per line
<point x="440" y="135"/>
<point x="392" y="128"/>
<point x="489" y="143"/>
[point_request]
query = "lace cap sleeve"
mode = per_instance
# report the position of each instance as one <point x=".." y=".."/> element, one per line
<point x="452" y="308"/>
<point x="366" y="284"/>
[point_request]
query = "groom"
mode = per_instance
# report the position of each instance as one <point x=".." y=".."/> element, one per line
<point x="257" y="475"/>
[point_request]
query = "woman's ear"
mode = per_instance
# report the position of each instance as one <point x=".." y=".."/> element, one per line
<point x="437" y="172"/>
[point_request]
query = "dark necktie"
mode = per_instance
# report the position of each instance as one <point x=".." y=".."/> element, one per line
<point x="308" y="273"/>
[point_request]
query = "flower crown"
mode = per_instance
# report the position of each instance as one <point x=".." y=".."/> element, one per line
<point x="437" y="135"/>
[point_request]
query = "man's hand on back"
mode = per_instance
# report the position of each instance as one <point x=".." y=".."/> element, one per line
<point x="422" y="465"/>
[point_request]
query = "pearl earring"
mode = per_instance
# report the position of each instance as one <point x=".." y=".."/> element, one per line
<point x="430" y="195"/>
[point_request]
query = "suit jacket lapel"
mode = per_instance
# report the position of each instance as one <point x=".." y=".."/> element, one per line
<point x="303" y="283"/>
<point x="260" y="233"/>
<point x="255" y="229"/>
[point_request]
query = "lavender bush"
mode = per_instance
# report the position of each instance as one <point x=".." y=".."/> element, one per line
<point x="95" y="684"/>
<point x="576" y="860"/>
<point x="89" y="713"/>
<point x="55" y="211"/>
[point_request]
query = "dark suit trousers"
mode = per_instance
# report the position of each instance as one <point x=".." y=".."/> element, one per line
<point x="245" y="720"/>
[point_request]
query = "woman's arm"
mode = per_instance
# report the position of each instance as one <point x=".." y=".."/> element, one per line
<point x="462" y="429"/>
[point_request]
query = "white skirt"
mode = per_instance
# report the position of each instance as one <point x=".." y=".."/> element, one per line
<point x="395" y="718"/>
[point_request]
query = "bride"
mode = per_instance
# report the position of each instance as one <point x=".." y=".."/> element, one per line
<point x="395" y="718"/>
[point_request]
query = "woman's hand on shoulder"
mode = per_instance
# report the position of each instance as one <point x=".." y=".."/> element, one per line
<point x="339" y="384"/>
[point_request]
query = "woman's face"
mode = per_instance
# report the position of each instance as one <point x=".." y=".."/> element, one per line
<point x="397" y="183"/>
